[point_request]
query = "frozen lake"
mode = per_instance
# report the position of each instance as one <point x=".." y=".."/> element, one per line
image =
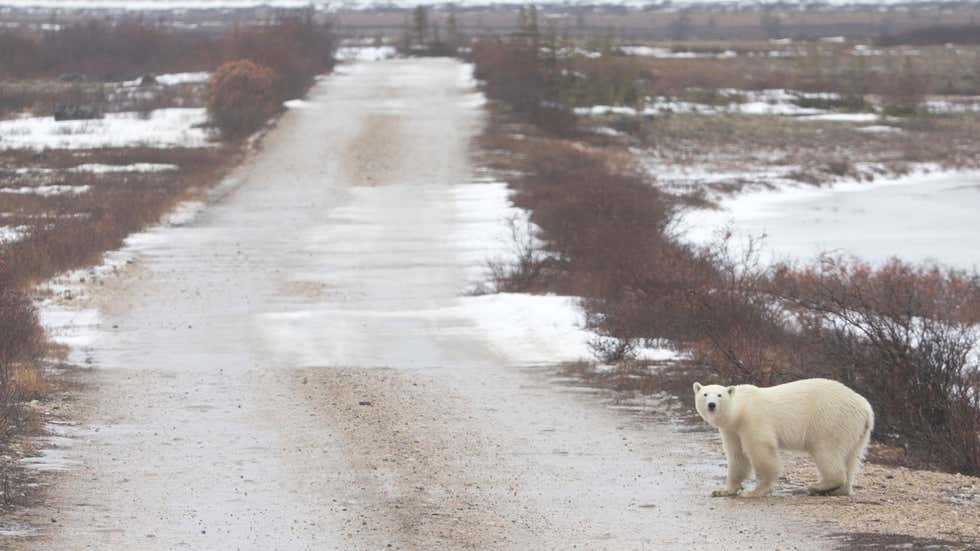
<point x="923" y="216"/>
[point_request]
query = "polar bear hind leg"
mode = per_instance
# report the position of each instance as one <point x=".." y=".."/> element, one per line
<point x="856" y="455"/>
<point x="833" y="474"/>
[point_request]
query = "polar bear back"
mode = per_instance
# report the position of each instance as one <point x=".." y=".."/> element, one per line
<point x="802" y="415"/>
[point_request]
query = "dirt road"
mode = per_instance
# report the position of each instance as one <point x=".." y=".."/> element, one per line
<point x="293" y="369"/>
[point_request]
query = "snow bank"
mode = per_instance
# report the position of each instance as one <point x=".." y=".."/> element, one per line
<point x="531" y="329"/>
<point x="775" y="101"/>
<point x="685" y="178"/>
<point x="929" y="214"/>
<point x="97" y="168"/>
<point x="878" y="128"/>
<point x="297" y="104"/>
<point x="540" y="329"/>
<point x="952" y="104"/>
<point x="178" y="127"/>
<point x="842" y="117"/>
<point x="46" y="191"/>
<point x="171" y="79"/>
<point x="9" y="234"/>
<point x="667" y="53"/>
<point x="365" y="53"/>
<point x="74" y="328"/>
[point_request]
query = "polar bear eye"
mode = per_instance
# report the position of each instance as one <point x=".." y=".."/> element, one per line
<point x="705" y="394"/>
<point x="719" y="395"/>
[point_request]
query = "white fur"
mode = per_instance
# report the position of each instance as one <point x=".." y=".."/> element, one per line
<point x="819" y="416"/>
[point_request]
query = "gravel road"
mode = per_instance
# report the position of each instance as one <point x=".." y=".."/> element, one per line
<point x="270" y="375"/>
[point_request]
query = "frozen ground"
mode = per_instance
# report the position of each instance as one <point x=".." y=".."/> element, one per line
<point x="667" y="53"/>
<point x="927" y="215"/>
<point x="172" y="79"/>
<point x="774" y="101"/>
<point x="296" y="366"/>
<point x="9" y="234"/>
<point x="365" y="53"/>
<point x="176" y="127"/>
<point x="45" y="191"/>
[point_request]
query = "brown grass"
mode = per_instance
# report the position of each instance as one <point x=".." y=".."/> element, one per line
<point x="74" y="230"/>
<point x="28" y="383"/>
<point x="896" y="73"/>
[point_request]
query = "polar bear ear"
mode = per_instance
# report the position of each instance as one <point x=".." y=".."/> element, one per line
<point x="731" y="390"/>
<point x="697" y="387"/>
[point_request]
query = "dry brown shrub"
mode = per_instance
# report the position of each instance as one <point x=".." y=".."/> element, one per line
<point x="241" y="96"/>
<point x="28" y="382"/>
<point x="906" y="337"/>
<point x="21" y="340"/>
<point x="296" y="48"/>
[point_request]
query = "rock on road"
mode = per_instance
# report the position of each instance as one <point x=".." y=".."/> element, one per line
<point x="271" y="375"/>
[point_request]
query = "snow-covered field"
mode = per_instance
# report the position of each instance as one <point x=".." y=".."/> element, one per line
<point x="99" y="168"/>
<point x="776" y="101"/>
<point x="928" y="215"/>
<point x="46" y="191"/>
<point x="9" y="234"/>
<point x="667" y="53"/>
<point x="176" y="127"/>
<point x="172" y="79"/>
<point x="747" y="102"/>
<point x="365" y="53"/>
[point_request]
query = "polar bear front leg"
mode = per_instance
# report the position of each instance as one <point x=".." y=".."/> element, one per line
<point x="739" y="465"/>
<point x="764" y="456"/>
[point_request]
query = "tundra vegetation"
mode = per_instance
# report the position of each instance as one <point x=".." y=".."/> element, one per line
<point x="905" y="336"/>
<point x="62" y="207"/>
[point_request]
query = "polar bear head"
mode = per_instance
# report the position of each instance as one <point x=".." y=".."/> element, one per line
<point x="714" y="403"/>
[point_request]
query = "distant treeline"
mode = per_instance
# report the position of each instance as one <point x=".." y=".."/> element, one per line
<point x="98" y="50"/>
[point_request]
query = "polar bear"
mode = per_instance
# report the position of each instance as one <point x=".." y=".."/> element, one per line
<point x="823" y="417"/>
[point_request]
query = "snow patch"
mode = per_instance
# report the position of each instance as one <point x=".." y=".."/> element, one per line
<point x="97" y="168"/>
<point x="9" y="234"/>
<point x="365" y="53"/>
<point x="297" y="104"/>
<point x="928" y="215"/>
<point x="172" y="79"/>
<point x="46" y="191"/>
<point x="176" y="127"/>
<point x="878" y="129"/>
<point x="842" y="117"/>
<point x="667" y="53"/>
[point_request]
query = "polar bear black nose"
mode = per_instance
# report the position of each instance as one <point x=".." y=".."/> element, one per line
<point x="711" y="406"/>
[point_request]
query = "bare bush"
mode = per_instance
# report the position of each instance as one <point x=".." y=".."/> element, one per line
<point x="524" y="269"/>
<point x="241" y="96"/>
<point x="21" y="338"/>
<point x="740" y="326"/>
<point x="517" y="73"/>
<point x="908" y="338"/>
<point x="297" y="49"/>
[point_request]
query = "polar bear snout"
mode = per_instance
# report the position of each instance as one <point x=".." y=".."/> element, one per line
<point x="712" y="406"/>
